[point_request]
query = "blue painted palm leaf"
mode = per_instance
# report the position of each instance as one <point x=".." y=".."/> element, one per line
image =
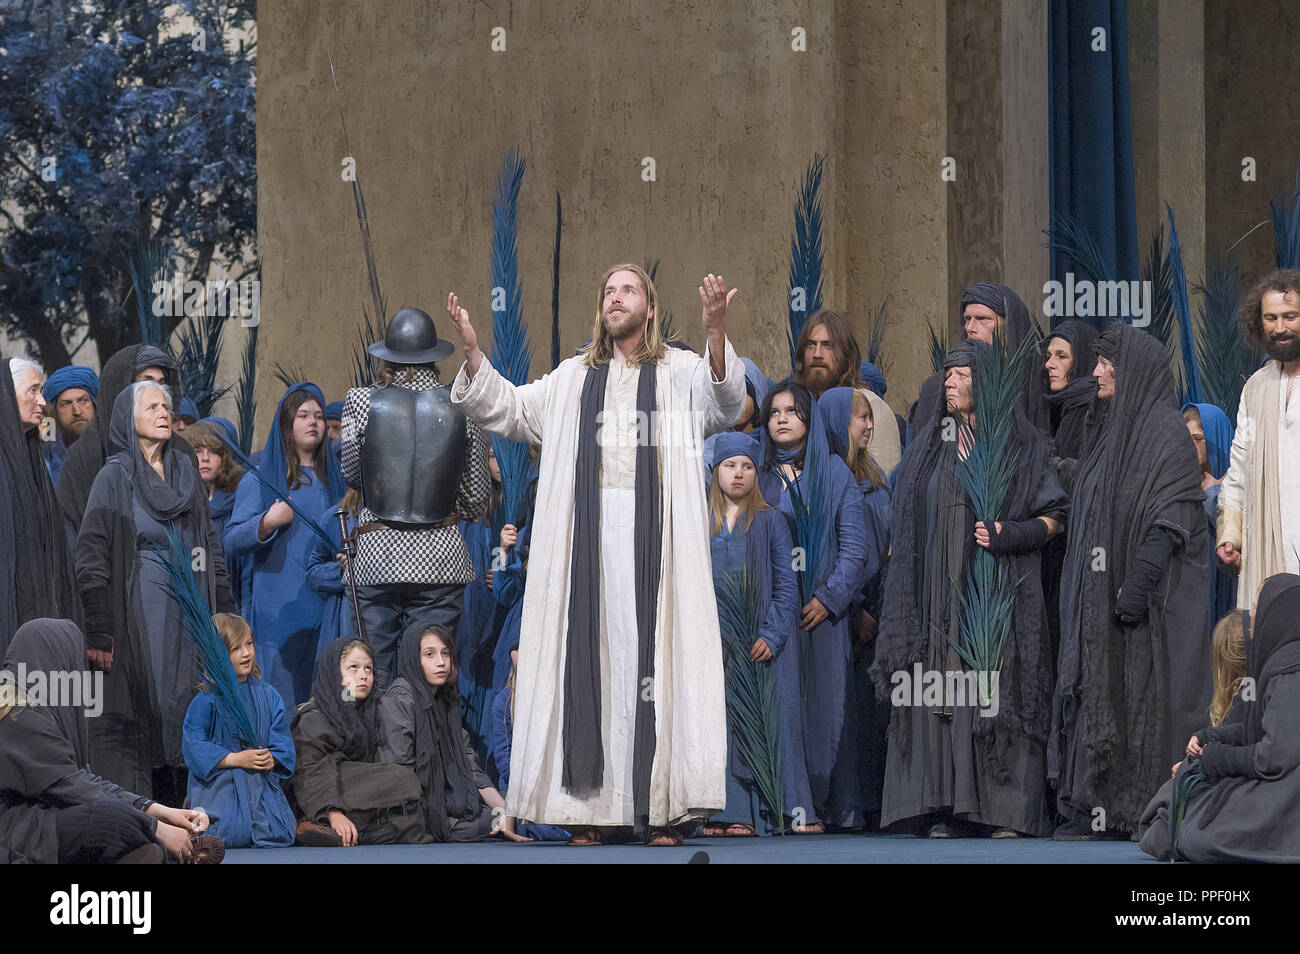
<point x="511" y="351"/>
<point x="1286" y="228"/>
<point x="806" y="253"/>
<point x="1187" y="785"/>
<point x="200" y="341"/>
<point x="147" y="266"/>
<point x="753" y="700"/>
<point x="812" y="517"/>
<point x="246" y="392"/>
<point x="1191" y="377"/>
<point x="876" y="329"/>
<point x="1224" y="358"/>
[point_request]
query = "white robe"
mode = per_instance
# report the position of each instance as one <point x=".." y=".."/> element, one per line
<point x="688" y="777"/>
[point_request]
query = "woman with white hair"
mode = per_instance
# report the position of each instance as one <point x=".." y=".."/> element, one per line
<point x="133" y="622"/>
<point x="36" y="579"/>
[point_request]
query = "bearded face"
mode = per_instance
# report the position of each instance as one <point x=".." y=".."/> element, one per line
<point x="1280" y="314"/>
<point x="625" y="307"/>
<point x="821" y="361"/>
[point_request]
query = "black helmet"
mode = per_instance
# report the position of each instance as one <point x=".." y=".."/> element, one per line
<point x="411" y="339"/>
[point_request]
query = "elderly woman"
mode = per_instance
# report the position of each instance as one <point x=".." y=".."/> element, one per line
<point x="133" y="621"/>
<point x="40" y="582"/>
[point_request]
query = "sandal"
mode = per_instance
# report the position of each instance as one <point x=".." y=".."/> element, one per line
<point x="582" y="838"/>
<point x="740" y="830"/>
<point x="665" y="838"/>
<point x="714" y="831"/>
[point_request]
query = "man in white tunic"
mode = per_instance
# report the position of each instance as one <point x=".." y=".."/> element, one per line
<point x="620" y="717"/>
<point x="1259" y="501"/>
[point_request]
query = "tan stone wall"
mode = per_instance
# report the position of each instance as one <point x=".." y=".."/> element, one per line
<point x="713" y="92"/>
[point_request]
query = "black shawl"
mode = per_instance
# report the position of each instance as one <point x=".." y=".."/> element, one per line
<point x="1024" y="686"/>
<point x="1017" y="325"/>
<point x="37" y="580"/>
<point x="93" y="448"/>
<point x="1069" y="406"/>
<point x="1113" y="692"/>
<point x="357" y="723"/>
<point x="139" y="731"/>
<point x="441" y="763"/>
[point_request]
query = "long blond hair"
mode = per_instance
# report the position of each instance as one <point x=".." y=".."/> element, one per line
<point x="859" y="459"/>
<point x="652" y="347"/>
<point x="750" y="504"/>
<point x="1228" y="650"/>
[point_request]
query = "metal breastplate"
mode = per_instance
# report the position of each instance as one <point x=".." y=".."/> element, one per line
<point x="413" y="454"/>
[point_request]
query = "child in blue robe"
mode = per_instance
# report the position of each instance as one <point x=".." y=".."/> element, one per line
<point x="282" y="608"/>
<point x="748" y="533"/>
<point x="238" y="787"/>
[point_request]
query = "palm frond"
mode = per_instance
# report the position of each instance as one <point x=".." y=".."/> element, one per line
<point x="987" y="473"/>
<point x="200" y="351"/>
<point x="363" y="367"/>
<point x="211" y="657"/>
<point x="1286" y="227"/>
<point x="1225" y="359"/>
<point x="806" y="252"/>
<point x="938" y="346"/>
<point x="246" y="462"/>
<point x="811" y="519"/>
<point x="147" y="265"/>
<point x="289" y="375"/>
<point x="1188" y="783"/>
<point x="753" y="698"/>
<point x="1191" y="378"/>
<point x="876" y="329"/>
<point x="511" y="351"/>
<point x="1156" y="271"/>
<point x="1070" y="237"/>
<point x="246" y="392"/>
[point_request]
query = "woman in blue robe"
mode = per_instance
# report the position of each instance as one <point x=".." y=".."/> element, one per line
<point x="238" y="787"/>
<point x="282" y="608"/>
<point x="794" y="445"/>
<point x="758" y="539"/>
<point x="848" y="416"/>
<point x="1212" y="434"/>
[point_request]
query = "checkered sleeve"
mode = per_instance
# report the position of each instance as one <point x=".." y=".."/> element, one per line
<point x="356" y="414"/>
<point x="475" y="480"/>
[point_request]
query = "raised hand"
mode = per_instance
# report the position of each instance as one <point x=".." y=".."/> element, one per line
<point x="715" y="298"/>
<point x="468" y="337"/>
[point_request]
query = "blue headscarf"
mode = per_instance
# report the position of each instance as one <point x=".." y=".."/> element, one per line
<point x="225" y="426"/>
<point x="273" y="465"/>
<point x="873" y="378"/>
<point x="334" y="411"/>
<point x="756" y="381"/>
<point x="187" y="409"/>
<point x="836" y="408"/>
<point x="735" y="444"/>
<point x="1218" y="436"/>
<point x="73" y="376"/>
<point x="815" y="446"/>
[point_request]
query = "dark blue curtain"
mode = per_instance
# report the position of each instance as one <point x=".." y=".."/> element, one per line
<point x="1092" y="137"/>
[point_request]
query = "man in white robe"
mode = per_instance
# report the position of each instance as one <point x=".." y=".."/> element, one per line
<point x="694" y="397"/>
<point x="1259" y="500"/>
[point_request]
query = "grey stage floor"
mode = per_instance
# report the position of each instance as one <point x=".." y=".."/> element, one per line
<point x="804" y="849"/>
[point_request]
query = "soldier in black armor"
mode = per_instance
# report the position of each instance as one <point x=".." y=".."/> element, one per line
<point x="421" y="465"/>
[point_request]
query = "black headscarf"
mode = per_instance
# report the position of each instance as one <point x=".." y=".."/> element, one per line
<point x="1068" y="407"/>
<point x="164" y="499"/>
<point x="40" y="744"/>
<point x="357" y="723"/>
<point x="39" y="580"/>
<point x="87" y="455"/>
<point x="1140" y="473"/>
<point x="440" y="760"/>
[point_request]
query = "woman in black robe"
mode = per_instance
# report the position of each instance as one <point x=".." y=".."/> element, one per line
<point x="950" y="764"/>
<point x="53" y="808"/>
<point x="1134" y="667"/>
<point x="1069" y="391"/>
<point x="86" y="457"/>
<point x="1251" y="810"/>
<point x="133" y="622"/>
<point x="37" y="578"/>
<point x="346" y="793"/>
